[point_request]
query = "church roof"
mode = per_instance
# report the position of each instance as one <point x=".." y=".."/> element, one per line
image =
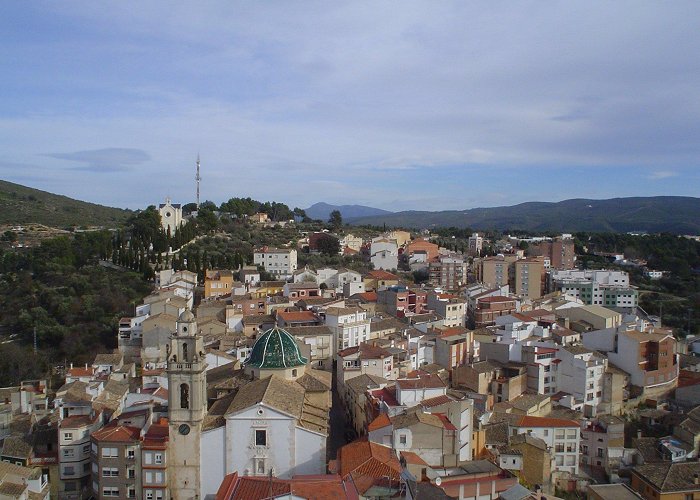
<point x="276" y="348"/>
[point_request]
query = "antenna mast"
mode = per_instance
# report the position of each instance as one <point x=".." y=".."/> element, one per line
<point x="197" y="178"/>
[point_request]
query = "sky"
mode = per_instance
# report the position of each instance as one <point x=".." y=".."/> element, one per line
<point x="397" y="105"/>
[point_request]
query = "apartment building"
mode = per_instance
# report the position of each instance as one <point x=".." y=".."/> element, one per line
<point x="349" y="325"/>
<point x="74" y="454"/>
<point x="528" y="278"/>
<point x="451" y="308"/>
<point x="562" y="436"/>
<point x="475" y="244"/>
<point x="559" y="252"/>
<point x="280" y="262"/>
<point x="598" y="287"/>
<point x="647" y="354"/>
<point x="449" y="273"/>
<point x="495" y="271"/>
<point x="217" y="282"/>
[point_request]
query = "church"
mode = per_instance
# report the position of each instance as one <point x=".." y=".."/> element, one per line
<point x="170" y="216"/>
<point x="275" y="423"/>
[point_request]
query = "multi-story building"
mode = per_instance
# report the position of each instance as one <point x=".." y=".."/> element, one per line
<point x="475" y="244"/>
<point x="280" y="262"/>
<point x="559" y="252"/>
<point x="116" y="461"/>
<point x="528" y="278"/>
<point x="489" y="308"/>
<point x="647" y="354"/>
<point x="365" y="359"/>
<point x="581" y="373"/>
<point x="454" y="347"/>
<point x="496" y="271"/>
<point x="217" y="282"/>
<point x="74" y="454"/>
<point x="598" y="287"/>
<point x="451" y="308"/>
<point x="448" y="272"/>
<point x="154" y="462"/>
<point x="420" y="245"/>
<point x="602" y="443"/>
<point x="562" y="436"/>
<point x="350" y="326"/>
<point x="667" y="481"/>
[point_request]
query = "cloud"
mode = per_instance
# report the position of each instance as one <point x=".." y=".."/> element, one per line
<point x="661" y="174"/>
<point x="106" y="160"/>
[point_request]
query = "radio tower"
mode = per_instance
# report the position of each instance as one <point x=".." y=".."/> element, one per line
<point x="197" y="178"/>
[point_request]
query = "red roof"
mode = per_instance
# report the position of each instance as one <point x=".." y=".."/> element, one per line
<point x="368" y="296"/>
<point x="436" y="401"/>
<point x="380" y="274"/>
<point x="369" y="459"/>
<point x="321" y="487"/>
<point x="445" y="421"/>
<point x="528" y="421"/>
<point x="114" y="433"/>
<point x="291" y="316"/>
<point x="381" y="421"/>
<point x="81" y="372"/>
<point x="386" y="394"/>
<point x="412" y="458"/>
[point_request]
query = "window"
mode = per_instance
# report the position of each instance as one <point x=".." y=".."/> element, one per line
<point x="110" y="472"/>
<point x="571" y="433"/>
<point x="131" y="473"/>
<point x="149" y="494"/>
<point x="68" y="436"/>
<point x="559" y="447"/>
<point x="68" y="453"/>
<point x="110" y="491"/>
<point x="69" y="471"/>
<point x="599" y="454"/>
<point x="546" y="432"/>
<point x="184" y="396"/>
<point x="158" y="458"/>
<point x="402" y="439"/>
<point x="132" y="492"/>
<point x="109" y="452"/>
<point x="559" y="434"/>
<point x="130" y="454"/>
<point x="260" y="437"/>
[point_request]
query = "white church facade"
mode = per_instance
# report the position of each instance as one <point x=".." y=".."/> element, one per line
<point x="170" y="216"/>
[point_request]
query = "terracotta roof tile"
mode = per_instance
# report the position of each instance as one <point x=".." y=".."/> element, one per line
<point x="381" y="421"/>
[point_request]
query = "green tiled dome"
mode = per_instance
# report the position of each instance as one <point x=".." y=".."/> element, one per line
<point x="275" y="348"/>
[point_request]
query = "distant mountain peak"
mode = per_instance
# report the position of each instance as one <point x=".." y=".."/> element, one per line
<point x="322" y="210"/>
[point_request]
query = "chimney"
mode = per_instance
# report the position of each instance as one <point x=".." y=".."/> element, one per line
<point x="696" y="479"/>
<point x="639" y="433"/>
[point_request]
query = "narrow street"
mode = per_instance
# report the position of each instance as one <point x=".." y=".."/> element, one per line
<point x="337" y="423"/>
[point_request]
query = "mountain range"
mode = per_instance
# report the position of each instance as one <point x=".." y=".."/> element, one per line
<point x="673" y="214"/>
<point x="323" y="210"/>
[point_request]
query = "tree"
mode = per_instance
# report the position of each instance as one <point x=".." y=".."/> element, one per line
<point x="336" y="220"/>
<point x="328" y="244"/>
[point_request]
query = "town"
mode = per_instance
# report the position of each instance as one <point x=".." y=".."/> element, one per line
<point x="506" y="370"/>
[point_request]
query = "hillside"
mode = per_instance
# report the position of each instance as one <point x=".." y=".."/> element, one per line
<point x="24" y="205"/>
<point x="673" y="214"/>
<point x="323" y="210"/>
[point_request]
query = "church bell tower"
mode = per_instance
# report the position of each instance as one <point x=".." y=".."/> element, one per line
<point x="187" y="406"/>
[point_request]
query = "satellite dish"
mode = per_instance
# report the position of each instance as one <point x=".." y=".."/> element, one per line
<point x="438" y="481"/>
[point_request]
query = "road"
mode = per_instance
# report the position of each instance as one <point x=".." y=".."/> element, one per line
<point x="337" y="424"/>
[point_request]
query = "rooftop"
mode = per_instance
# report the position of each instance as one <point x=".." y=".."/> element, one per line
<point x="275" y="349"/>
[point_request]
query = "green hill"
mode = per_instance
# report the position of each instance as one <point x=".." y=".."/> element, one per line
<point x="24" y="205"/>
<point x="673" y="214"/>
